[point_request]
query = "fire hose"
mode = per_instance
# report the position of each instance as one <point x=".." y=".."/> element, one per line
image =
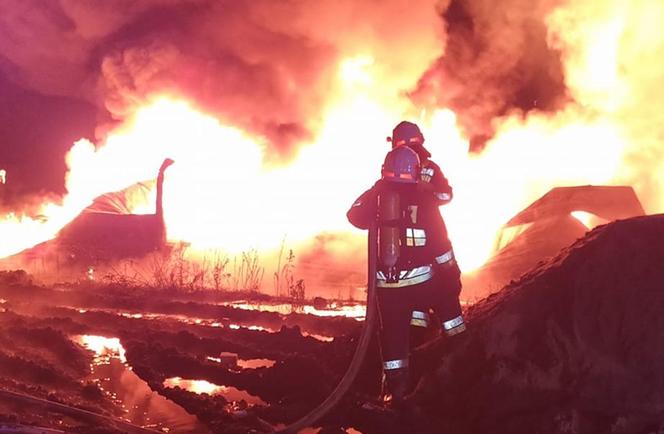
<point x="73" y="411"/>
<point x="363" y="344"/>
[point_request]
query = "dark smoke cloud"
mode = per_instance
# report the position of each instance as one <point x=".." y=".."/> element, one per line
<point x="35" y="133"/>
<point x="215" y="53"/>
<point x="496" y="61"/>
<point x="69" y="66"/>
<point x="117" y="53"/>
<point x="265" y="66"/>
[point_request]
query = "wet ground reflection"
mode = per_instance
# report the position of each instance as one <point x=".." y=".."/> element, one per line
<point x="194" y="321"/>
<point x="202" y="386"/>
<point x="248" y="363"/>
<point x="142" y="406"/>
<point x="355" y="311"/>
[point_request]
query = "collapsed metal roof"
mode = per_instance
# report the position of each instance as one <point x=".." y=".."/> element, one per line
<point x="110" y="228"/>
<point x="545" y="227"/>
<point x="608" y="202"/>
<point x="126" y="201"/>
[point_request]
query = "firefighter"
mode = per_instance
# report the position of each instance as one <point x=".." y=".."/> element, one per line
<point x="416" y="266"/>
<point x="434" y="182"/>
<point x="437" y="188"/>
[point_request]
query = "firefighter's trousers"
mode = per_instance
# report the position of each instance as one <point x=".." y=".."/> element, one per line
<point x="396" y="306"/>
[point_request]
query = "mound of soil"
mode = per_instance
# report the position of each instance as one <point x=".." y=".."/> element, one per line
<point x="574" y="346"/>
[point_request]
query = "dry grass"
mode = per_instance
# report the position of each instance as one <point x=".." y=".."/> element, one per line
<point x="248" y="274"/>
<point x="285" y="283"/>
<point x="173" y="270"/>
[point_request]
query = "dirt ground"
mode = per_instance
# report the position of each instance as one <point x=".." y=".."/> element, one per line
<point x="573" y="346"/>
<point x="169" y="335"/>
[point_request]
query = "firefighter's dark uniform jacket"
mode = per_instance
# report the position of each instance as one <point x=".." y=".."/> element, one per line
<point x="429" y="273"/>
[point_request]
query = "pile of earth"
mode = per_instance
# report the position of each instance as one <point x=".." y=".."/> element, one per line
<point x="573" y="346"/>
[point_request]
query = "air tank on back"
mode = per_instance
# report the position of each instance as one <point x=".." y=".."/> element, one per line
<point x="401" y="167"/>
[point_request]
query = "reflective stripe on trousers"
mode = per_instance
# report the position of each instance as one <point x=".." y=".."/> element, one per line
<point x="395" y="364"/>
<point x="454" y="326"/>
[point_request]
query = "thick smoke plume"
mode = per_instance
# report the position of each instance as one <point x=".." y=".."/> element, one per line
<point x="263" y="66"/>
<point x="267" y="66"/>
<point x="497" y="61"/>
<point x="547" y="65"/>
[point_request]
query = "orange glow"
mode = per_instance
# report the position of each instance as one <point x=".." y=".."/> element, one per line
<point x="248" y="364"/>
<point x="356" y="311"/>
<point x="102" y="346"/>
<point x="585" y="218"/>
<point x="219" y="194"/>
<point x="520" y="165"/>
<point x="589" y="220"/>
<point x="256" y="363"/>
<point x="222" y="194"/>
<point x="3" y="176"/>
<point x="196" y="386"/>
<point x="355" y="70"/>
<point x="202" y="386"/>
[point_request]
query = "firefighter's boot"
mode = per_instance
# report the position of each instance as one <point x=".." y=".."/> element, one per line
<point x="398" y="385"/>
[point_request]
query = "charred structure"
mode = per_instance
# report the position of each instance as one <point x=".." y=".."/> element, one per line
<point x="545" y="227"/>
<point x="105" y="235"/>
<point x="106" y="230"/>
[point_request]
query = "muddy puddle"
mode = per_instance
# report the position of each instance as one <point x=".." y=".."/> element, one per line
<point x="141" y="405"/>
<point x="246" y="363"/>
<point x="199" y="387"/>
<point x="355" y="311"/>
<point x="206" y="322"/>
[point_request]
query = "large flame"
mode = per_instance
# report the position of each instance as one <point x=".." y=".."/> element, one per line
<point x="222" y="192"/>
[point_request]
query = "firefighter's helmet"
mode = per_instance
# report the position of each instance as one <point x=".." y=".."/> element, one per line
<point x="406" y="133"/>
<point x="401" y="165"/>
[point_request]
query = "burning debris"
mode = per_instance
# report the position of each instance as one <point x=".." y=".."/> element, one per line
<point x="549" y="224"/>
<point x="108" y="230"/>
